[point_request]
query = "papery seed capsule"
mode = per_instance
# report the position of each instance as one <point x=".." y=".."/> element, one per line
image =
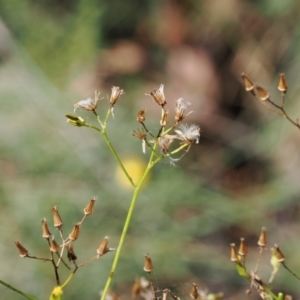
<point x="262" y="241"/>
<point x="54" y="247"/>
<point x="262" y="93"/>
<point x="116" y="92"/>
<point x="57" y="221"/>
<point x="45" y="229"/>
<point x="249" y="86"/>
<point x="73" y="236"/>
<point x="141" y="115"/>
<point x="243" y="248"/>
<point x="90" y="207"/>
<point x="23" y="252"/>
<point x="282" y="85"/>
<point x="279" y="255"/>
<point x="102" y="249"/>
<point x="148" y="266"/>
<point x="194" y="292"/>
<point x="71" y="254"/>
<point x="233" y="253"/>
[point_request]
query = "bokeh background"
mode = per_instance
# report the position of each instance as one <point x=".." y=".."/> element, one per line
<point x="243" y="175"/>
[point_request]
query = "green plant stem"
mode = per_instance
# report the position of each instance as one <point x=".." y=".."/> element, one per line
<point x="68" y="280"/>
<point x="126" y="225"/>
<point x="17" y="291"/>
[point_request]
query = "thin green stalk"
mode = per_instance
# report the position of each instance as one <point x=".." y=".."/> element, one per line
<point x="17" y="291"/>
<point x="126" y="225"/>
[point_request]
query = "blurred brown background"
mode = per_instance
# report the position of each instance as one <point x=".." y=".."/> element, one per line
<point x="243" y="175"/>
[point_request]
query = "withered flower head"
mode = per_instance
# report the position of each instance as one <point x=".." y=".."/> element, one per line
<point x="45" y="229"/>
<point x="148" y="266"/>
<point x="243" y="248"/>
<point x="194" y="292"/>
<point x="116" y="92"/>
<point x="70" y="252"/>
<point x="164" y="143"/>
<point x="57" y="221"/>
<point x="282" y="85"/>
<point x="249" y="86"/>
<point x="180" y="110"/>
<point x="263" y="94"/>
<point x="279" y="255"/>
<point x="73" y="236"/>
<point x="75" y="120"/>
<point x="90" y="207"/>
<point x="164" y="118"/>
<point x="158" y="95"/>
<point x="233" y="253"/>
<point x="103" y="249"/>
<point x="262" y="241"/>
<point x="54" y="247"/>
<point x="23" y="252"/>
<point x="88" y="104"/>
<point x="188" y="133"/>
<point x="141" y="115"/>
<point x="142" y="135"/>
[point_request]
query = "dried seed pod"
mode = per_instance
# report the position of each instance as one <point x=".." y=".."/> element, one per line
<point x="243" y="248"/>
<point x="141" y="115"/>
<point x="262" y="241"/>
<point x="73" y="236"/>
<point x="263" y="94"/>
<point x="164" y="118"/>
<point x="282" y="85"/>
<point x="57" y="221"/>
<point x="54" y="247"/>
<point x="103" y="249"/>
<point x="23" y="252"/>
<point x="45" y="230"/>
<point x="279" y="255"/>
<point x="70" y="253"/>
<point x="194" y="292"/>
<point x="148" y="266"/>
<point x="116" y="92"/>
<point x="233" y="253"/>
<point x="158" y="95"/>
<point x="90" y="207"/>
<point x="249" y="86"/>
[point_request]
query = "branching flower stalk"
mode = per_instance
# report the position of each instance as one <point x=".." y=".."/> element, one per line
<point x="263" y="97"/>
<point x="159" y="145"/>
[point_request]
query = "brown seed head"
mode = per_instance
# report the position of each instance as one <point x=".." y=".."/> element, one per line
<point x="140" y="134"/>
<point x="249" y="86"/>
<point x="194" y="292"/>
<point x="90" y="207"/>
<point x="282" y="85"/>
<point x="54" y="247"/>
<point x="103" y="249"/>
<point x="141" y="115"/>
<point x="116" y="92"/>
<point x="23" y="252"/>
<point x="57" y="221"/>
<point x="243" y="248"/>
<point x="158" y="96"/>
<point x="45" y="229"/>
<point x="73" y="236"/>
<point x="262" y="93"/>
<point x="233" y="253"/>
<point x="148" y="266"/>
<point x="262" y="241"/>
<point x="279" y="255"/>
<point x="71" y="254"/>
<point x="164" y="117"/>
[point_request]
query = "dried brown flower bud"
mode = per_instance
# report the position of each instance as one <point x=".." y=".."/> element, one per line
<point x="54" y="247"/>
<point x="116" y="92"/>
<point x="71" y="254"/>
<point x="262" y="93"/>
<point x="23" y="252"/>
<point x="73" y="236"/>
<point x="164" y="118"/>
<point x="279" y="255"/>
<point x="102" y="249"/>
<point x="148" y="266"/>
<point x="90" y="207"/>
<point x="243" y="248"/>
<point x="45" y="229"/>
<point x="233" y="253"/>
<point x="194" y="292"/>
<point x="57" y="221"/>
<point x="282" y="85"/>
<point x="141" y="115"/>
<point x="249" y="86"/>
<point x="140" y="134"/>
<point x="262" y="241"/>
<point x="158" y="95"/>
